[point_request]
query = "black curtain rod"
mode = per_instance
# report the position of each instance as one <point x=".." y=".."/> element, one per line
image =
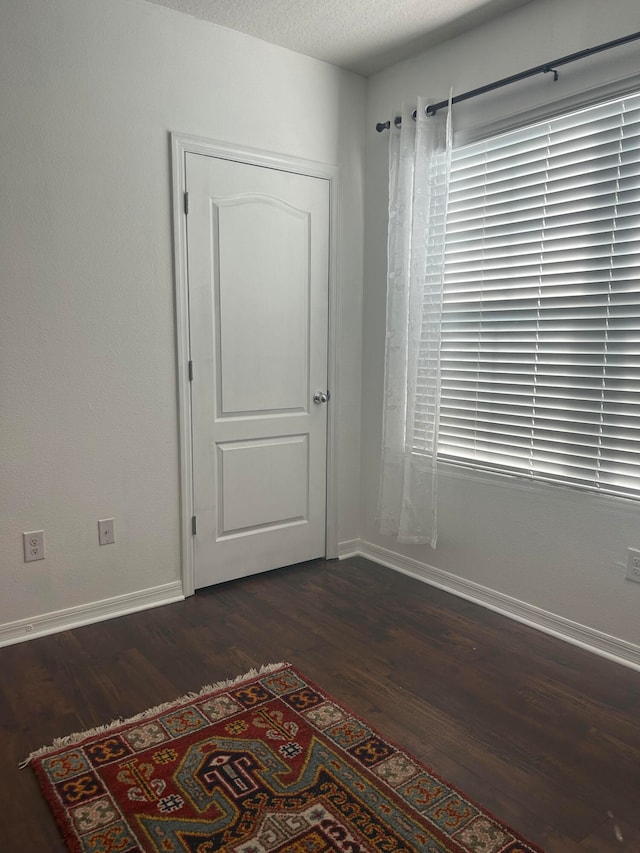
<point x="546" y="68"/>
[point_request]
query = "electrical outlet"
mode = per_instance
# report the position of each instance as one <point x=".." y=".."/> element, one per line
<point x="33" y="544"/>
<point x="633" y="565"/>
<point x="106" y="531"/>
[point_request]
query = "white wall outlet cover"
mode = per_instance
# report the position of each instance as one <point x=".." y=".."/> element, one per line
<point x="33" y="544"/>
<point x="106" y="531"/>
<point x="633" y="565"/>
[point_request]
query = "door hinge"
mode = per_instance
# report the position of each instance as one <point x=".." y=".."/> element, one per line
<point x="186" y="202"/>
<point x="193" y="525"/>
<point x="190" y="371"/>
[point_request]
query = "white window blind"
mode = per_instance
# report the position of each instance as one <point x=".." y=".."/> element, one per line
<point x="540" y="352"/>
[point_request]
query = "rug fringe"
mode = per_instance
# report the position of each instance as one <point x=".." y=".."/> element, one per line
<point x="78" y="737"/>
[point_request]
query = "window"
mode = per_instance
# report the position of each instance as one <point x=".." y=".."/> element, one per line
<point x="540" y="352"/>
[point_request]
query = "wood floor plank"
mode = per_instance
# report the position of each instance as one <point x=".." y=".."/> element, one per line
<point x="611" y="836"/>
<point x="542" y="733"/>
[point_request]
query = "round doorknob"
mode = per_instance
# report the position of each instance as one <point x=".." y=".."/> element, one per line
<point x="321" y="397"/>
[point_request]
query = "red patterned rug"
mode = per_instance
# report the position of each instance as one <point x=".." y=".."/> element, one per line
<point x="267" y="763"/>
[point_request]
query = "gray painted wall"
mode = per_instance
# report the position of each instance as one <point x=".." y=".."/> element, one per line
<point x="553" y="548"/>
<point x="89" y="92"/>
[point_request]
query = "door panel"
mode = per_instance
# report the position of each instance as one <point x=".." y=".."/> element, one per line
<point x="263" y="305"/>
<point x="263" y="483"/>
<point x="258" y="261"/>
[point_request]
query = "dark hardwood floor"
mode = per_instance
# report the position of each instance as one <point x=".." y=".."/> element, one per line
<point x="543" y="734"/>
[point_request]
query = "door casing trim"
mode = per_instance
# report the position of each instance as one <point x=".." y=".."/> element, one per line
<point x="181" y="145"/>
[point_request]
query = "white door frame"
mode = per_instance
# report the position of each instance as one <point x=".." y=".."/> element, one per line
<point x="181" y="145"/>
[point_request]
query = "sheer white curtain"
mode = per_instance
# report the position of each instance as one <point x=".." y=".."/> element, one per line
<point x="419" y="165"/>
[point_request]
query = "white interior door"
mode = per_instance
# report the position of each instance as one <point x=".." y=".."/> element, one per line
<point x="258" y="268"/>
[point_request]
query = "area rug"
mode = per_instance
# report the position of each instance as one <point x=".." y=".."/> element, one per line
<point x="266" y="763"/>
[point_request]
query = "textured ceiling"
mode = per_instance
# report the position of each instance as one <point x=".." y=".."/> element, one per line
<point x="361" y="35"/>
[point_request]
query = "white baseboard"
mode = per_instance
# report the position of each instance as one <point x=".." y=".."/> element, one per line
<point x="85" y="614"/>
<point x="349" y="548"/>
<point x="587" y="638"/>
